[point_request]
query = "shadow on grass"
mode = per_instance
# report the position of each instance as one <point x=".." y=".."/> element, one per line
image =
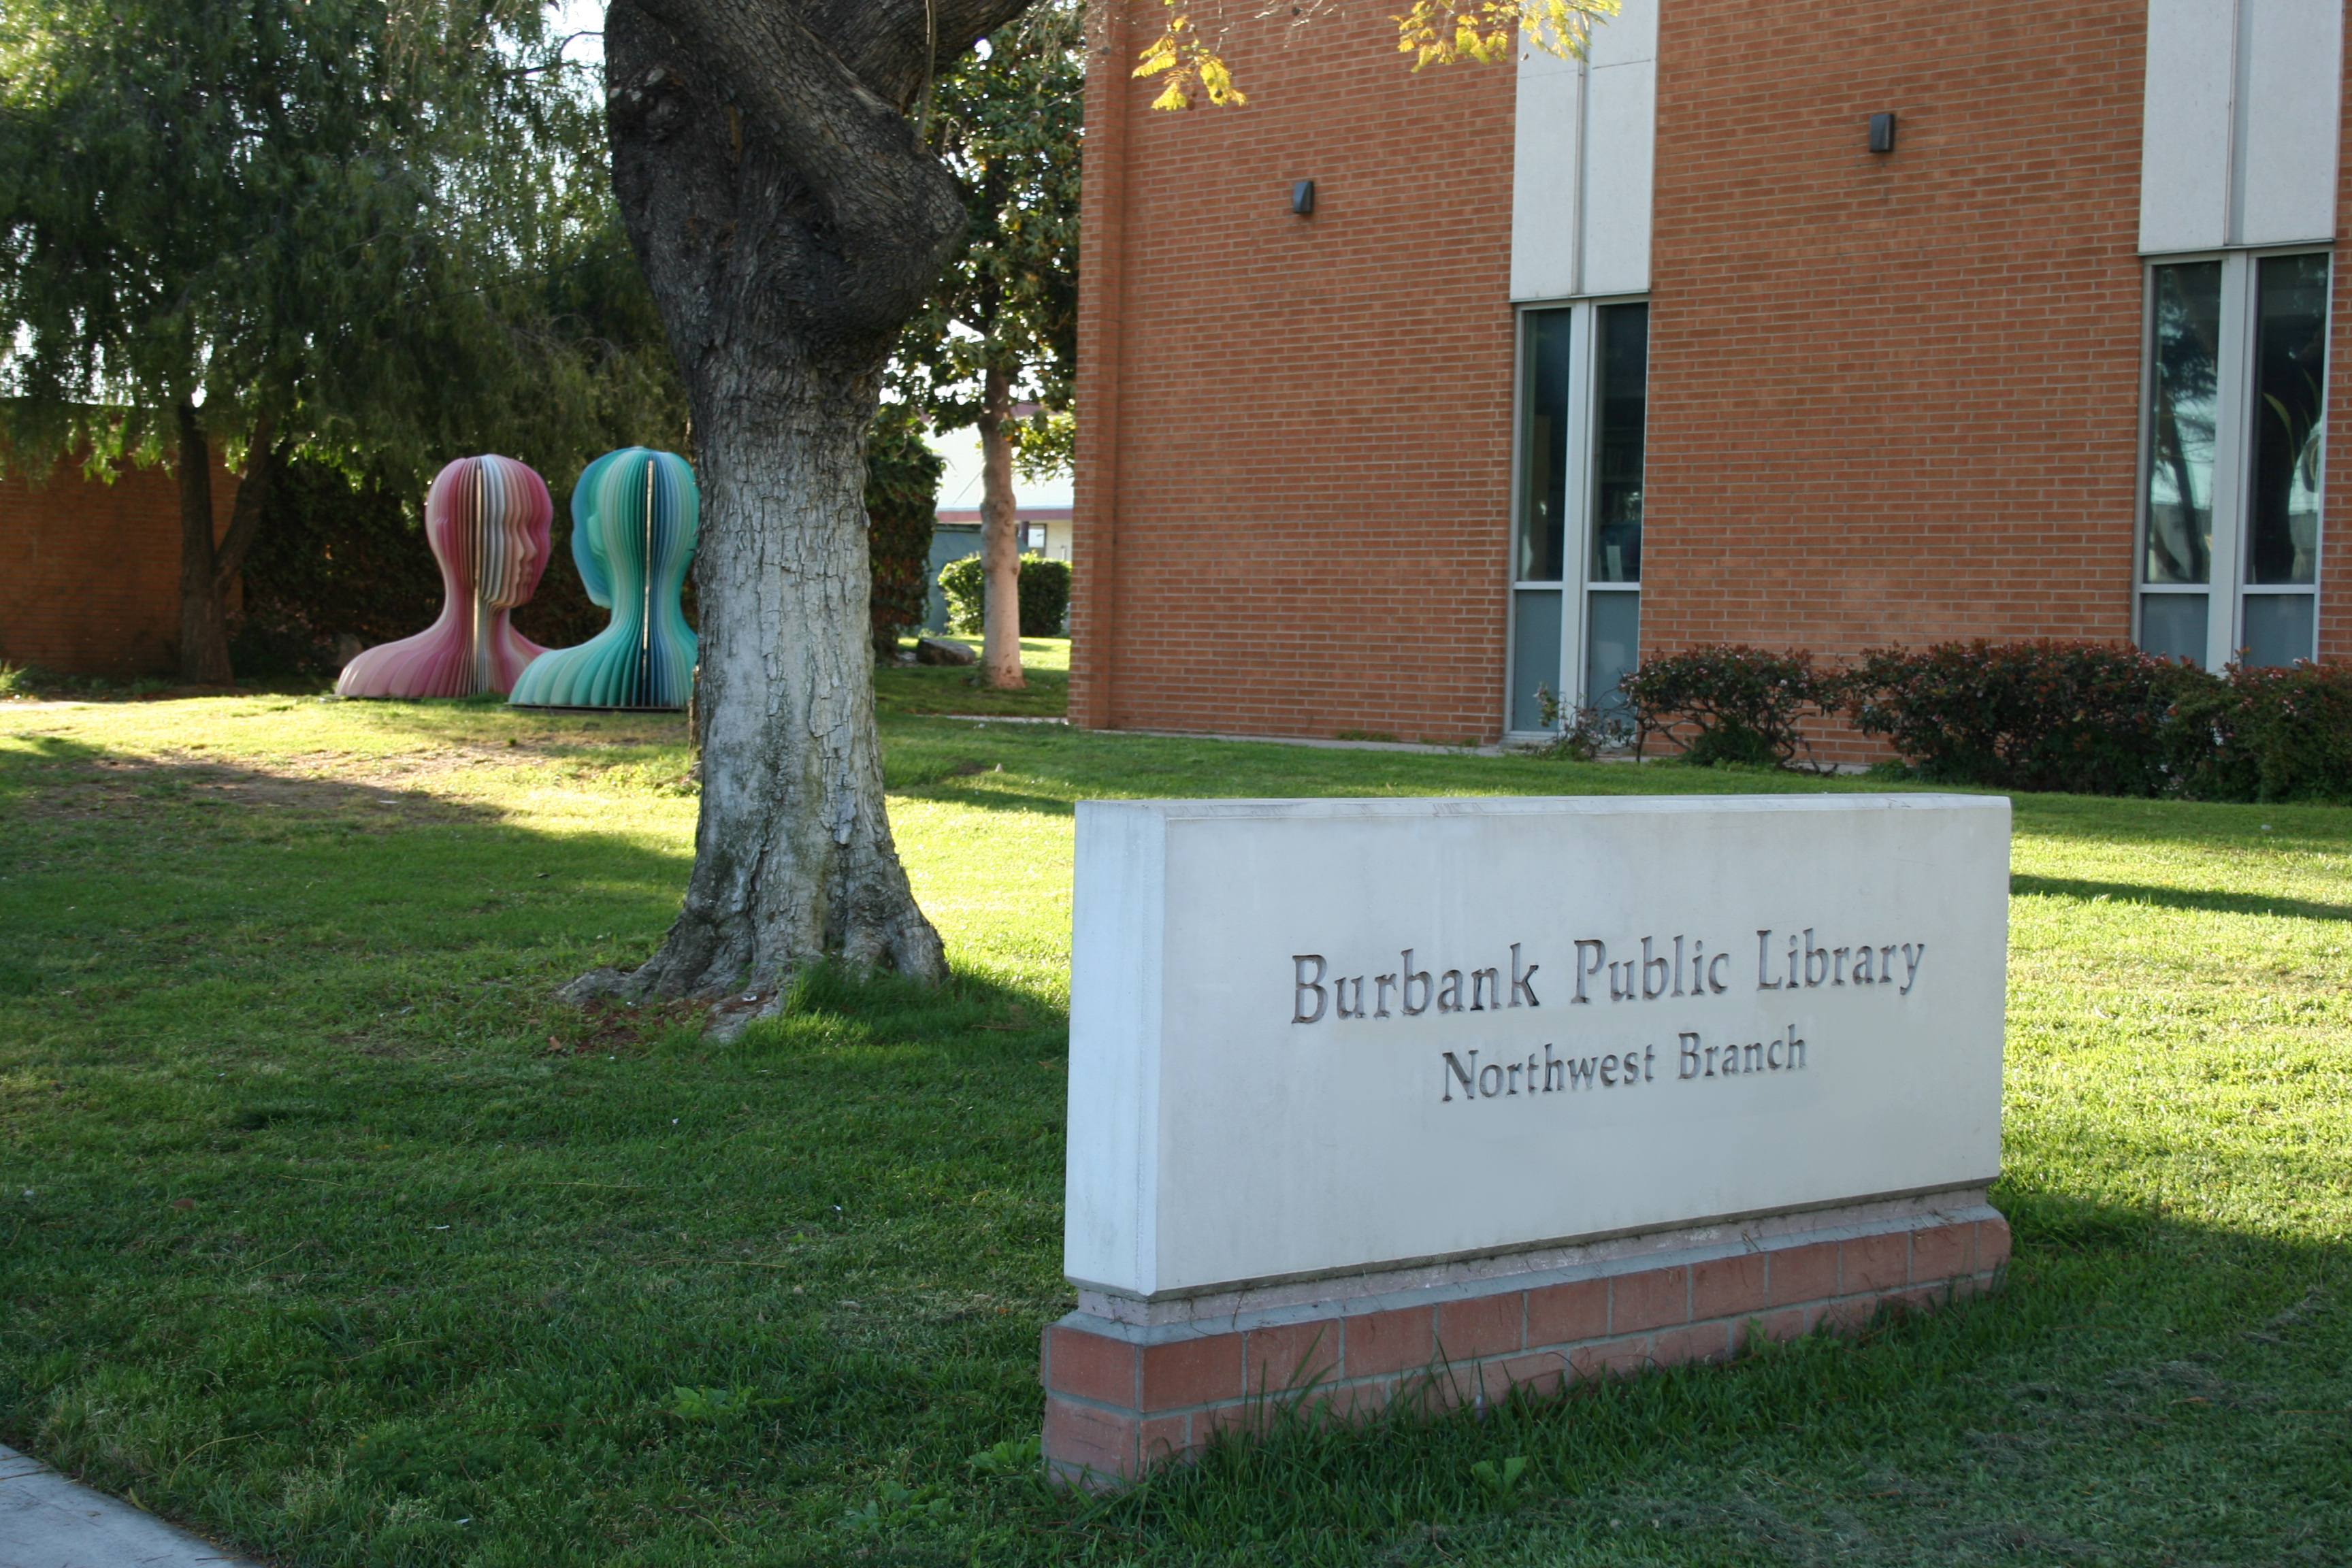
<point x="447" y="719"/>
<point x="917" y="690"/>
<point x="832" y="1005"/>
<point x="66" y="780"/>
<point x="987" y="799"/>
<point x="2175" y="898"/>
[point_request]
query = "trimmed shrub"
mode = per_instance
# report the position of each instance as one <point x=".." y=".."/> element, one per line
<point x="1045" y="595"/>
<point x="2271" y="734"/>
<point x="2081" y="717"/>
<point x="1747" y="704"/>
<point x="2203" y="755"/>
<point x="2089" y="718"/>
<point x="902" y="505"/>
<point x="966" y="587"/>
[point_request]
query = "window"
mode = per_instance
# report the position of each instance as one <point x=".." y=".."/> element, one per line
<point x="1576" y="558"/>
<point x="2236" y="379"/>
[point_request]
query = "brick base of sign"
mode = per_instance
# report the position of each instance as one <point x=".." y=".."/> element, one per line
<point x="1122" y="1397"/>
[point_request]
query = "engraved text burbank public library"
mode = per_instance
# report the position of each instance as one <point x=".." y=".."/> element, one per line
<point x="1689" y="970"/>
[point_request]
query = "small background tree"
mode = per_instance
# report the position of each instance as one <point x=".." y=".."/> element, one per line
<point x="1008" y="119"/>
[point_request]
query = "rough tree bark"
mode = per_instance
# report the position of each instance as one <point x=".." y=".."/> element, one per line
<point x="1000" y="537"/>
<point x="208" y="569"/>
<point x="789" y="223"/>
<point x="204" y="628"/>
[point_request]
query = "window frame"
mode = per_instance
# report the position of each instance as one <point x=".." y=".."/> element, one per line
<point x="2227" y="585"/>
<point x="1580" y="482"/>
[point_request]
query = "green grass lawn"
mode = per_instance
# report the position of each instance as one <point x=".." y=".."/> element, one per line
<point x="947" y="689"/>
<point x="326" y="1232"/>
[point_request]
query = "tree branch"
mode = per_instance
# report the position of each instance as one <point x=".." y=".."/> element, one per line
<point x="853" y="150"/>
<point x="261" y="464"/>
<point x="872" y="38"/>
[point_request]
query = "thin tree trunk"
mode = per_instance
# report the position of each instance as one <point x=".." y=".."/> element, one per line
<point x="204" y="629"/>
<point x="262" y="461"/>
<point x="1000" y="538"/>
<point x="789" y="223"/>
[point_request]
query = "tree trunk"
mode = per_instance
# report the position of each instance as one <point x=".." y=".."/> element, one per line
<point x="1000" y="538"/>
<point x="789" y="223"/>
<point x="204" y="629"/>
<point x="262" y="460"/>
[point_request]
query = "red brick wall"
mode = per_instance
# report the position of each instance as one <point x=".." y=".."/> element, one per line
<point x="1893" y="398"/>
<point x="2335" y="515"/>
<point x="89" y="573"/>
<point x="1294" y="489"/>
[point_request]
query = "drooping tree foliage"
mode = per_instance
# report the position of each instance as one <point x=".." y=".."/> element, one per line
<point x="375" y="234"/>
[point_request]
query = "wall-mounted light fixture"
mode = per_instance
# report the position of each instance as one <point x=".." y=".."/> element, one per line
<point x="1302" y="199"/>
<point x="1881" y="132"/>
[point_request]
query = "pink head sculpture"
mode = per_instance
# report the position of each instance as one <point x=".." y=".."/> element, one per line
<point x="486" y="519"/>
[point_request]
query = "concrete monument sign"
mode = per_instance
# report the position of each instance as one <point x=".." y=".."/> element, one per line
<point x="1335" y="1063"/>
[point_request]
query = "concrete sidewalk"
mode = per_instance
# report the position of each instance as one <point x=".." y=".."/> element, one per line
<point x="49" y="1522"/>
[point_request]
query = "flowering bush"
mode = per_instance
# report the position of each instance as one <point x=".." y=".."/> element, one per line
<point x="1747" y="704"/>
<point x="2271" y="734"/>
<point x="2091" y="717"/>
<point x="2088" y="718"/>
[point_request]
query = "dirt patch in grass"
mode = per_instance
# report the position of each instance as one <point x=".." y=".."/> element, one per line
<point x="98" y="788"/>
<point x="624" y="1029"/>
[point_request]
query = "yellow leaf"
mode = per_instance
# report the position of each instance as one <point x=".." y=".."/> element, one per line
<point x="1446" y="32"/>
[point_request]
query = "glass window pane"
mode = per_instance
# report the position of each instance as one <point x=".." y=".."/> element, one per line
<point x="1622" y="346"/>
<point x="2290" y="382"/>
<point x="2279" y="627"/>
<point x="1543" y="498"/>
<point x="2172" y="626"/>
<point x="1535" y="654"/>
<point x="1613" y="623"/>
<point x="2183" y="391"/>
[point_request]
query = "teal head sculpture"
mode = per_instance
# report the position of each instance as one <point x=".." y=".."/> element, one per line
<point x="635" y="516"/>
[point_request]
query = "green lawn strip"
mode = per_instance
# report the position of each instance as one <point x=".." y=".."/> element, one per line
<point x="325" y="1229"/>
<point x="956" y="689"/>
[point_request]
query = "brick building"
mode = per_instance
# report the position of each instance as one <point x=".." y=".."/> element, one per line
<point x="90" y="572"/>
<point x="1683" y="343"/>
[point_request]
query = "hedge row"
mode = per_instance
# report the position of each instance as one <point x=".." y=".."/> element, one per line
<point x="1044" y="595"/>
<point x="2085" y="717"/>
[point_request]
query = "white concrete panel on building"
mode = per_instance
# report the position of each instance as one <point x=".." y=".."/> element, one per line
<point x="1583" y="153"/>
<point x="1544" y="168"/>
<point x="1621" y="118"/>
<point x="1628" y="37"/>
<point x="2290" y="76"/>
<point x="2184" y="190"/>
<point x="2239" y="123"/>
<point x="1311" y="1037"/>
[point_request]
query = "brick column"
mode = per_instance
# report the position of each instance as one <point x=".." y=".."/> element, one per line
<point x="1094" y="516"/>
